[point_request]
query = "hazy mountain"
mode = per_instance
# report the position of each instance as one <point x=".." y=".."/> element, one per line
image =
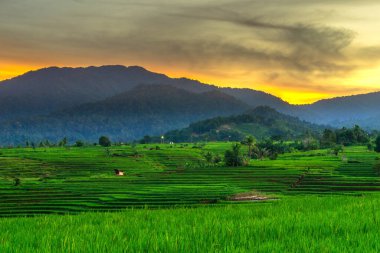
<point x="256" y="98"/>
<point x="261" y="122"/>
<point x="46" y="90"/>
<point x="51" y="89"/>
<point x="97" y="100"/>
<point x="146" y="109"/>
<point x="344" y="111"/>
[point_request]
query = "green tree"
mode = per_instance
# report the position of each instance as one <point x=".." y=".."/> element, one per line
<point x="208" y="156"/>
<point x="260" y="152"/>
<point x="104" y="141"/>
<point x="328" y="138"/>
<point x="63" y="142"/>
<point x="353" y="136"/>
<point x="337" y="149"/>
<point x="217" y="159"/>
<point x="360" y="135"/>
<point x="234" y="157"/>
<point x="377" y="144"/>
<point x="310" y="143"/>
<point x="47" y="143"/>
<point x="79" y="143"/>
<point x="146" y="140"/>
<point x="250" y="141"/>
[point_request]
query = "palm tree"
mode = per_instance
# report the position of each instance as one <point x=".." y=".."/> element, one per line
<point x="250" y="141"/>
<point x="261" y="153"/>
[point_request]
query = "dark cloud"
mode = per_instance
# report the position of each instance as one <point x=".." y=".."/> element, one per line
<point x="297" y="47"/>
<point x="282" y="41"/>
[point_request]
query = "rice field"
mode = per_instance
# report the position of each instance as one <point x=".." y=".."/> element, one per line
<point x="171" y="200"/>
<point x="73" y="180"/>
<point x="294" y="224"/>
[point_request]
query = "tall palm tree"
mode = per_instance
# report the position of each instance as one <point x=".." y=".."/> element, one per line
<point x="250" y="141"/>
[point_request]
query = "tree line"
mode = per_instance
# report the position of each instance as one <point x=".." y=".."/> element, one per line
<point x="271" y="148"/>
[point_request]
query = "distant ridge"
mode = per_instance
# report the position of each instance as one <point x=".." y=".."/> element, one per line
<point x="146" y="109"/>
<point x="362" y="109"/>
<point x="50" y="89"/>
<point x="30" y="100"/>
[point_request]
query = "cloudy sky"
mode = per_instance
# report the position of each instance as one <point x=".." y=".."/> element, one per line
<point x="299" y="50"/>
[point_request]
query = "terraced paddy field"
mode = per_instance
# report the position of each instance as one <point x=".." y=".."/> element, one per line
<point x="72" y="180"/>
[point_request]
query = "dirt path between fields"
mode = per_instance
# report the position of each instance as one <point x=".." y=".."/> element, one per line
<point x="250" y="196"/>
<point x="247" y="198"/>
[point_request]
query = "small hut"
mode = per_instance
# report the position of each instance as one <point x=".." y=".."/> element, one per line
<point x="119" y="172"/>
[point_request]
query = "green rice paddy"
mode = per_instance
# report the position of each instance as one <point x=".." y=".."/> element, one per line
<point x="294" y="224"/>
<point x="71" y="180"/>
<point x="171" y="200"/>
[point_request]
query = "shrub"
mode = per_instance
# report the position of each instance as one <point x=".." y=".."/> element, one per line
<point x="79" y="144"/>
<point x="377" y="143"/>
<point x="234" y="157"/>
<point x="104" y="141"/>
<point x="217" y="159"/>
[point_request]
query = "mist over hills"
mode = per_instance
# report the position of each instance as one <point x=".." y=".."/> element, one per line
<point x="146" y="109"/>
<point x="129" y="102"/>
<point x="345" y="111"/>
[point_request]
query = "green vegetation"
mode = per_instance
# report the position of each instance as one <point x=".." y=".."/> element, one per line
<point x="261" y="122"/>
<point x="104" y="141"/>
<point x="302" y="224"/>
<point x="233" y="157"/>
<point x="345" y="136"/>
<point x="61" y="143"/>
<point x="79" y="143"/>
<point x="377" y="142"/>
<point x="182" y="198"/>
<point x="75" y="179"/>
<point x="136" y="111"/>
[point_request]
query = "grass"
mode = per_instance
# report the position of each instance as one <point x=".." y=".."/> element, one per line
<point x="171" y="201"/>
<point x="293" y="224"/>
<point x="72" y="180"/>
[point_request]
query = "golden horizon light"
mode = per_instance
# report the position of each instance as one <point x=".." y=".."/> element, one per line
<point x="301" y="52"/>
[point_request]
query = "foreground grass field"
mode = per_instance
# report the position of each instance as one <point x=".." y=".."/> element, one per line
<point x="170" y="200"/>
<point x="292" y="224"/>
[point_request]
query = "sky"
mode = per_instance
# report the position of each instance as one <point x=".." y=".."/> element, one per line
<point x="301" y="51"/>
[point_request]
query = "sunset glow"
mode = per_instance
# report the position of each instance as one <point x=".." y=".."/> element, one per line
<point x="332" y="49"/>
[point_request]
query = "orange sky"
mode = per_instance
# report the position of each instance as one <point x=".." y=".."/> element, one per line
<point x="299" y="51"/>
<point x="294" y="95"/>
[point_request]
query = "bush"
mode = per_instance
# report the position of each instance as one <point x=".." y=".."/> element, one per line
<point x="208" y="156"/>
<point x="104" y="141"/>
<point x="234" y="157"/>
<point x="79" y="144"/>
<point x="377" y="143"/>
<point x="217" y="159"/>
<point x="337" y="149"/>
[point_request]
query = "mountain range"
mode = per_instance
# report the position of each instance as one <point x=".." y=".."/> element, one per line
<point x="127" y="103"/>
<point x="52" y="89"/>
